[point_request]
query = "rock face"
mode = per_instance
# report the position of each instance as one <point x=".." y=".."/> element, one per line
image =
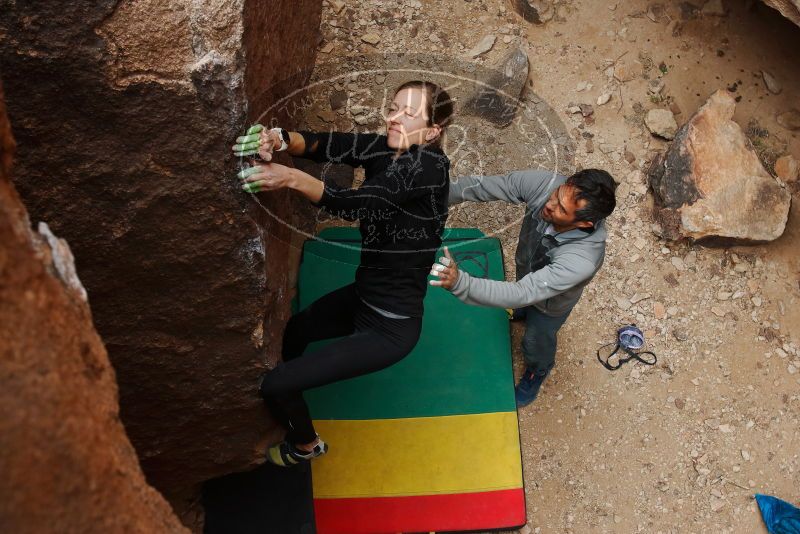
<point x="710" y="185"/>
<point x="788" y="8"/>
<point x="67" y="464"/>
<point x="125" y="114"/>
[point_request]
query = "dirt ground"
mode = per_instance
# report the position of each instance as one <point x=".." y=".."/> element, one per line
<point x="684" y="445"/>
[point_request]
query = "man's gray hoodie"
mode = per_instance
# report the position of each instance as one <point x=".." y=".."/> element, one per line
<point x="555" y="288"/>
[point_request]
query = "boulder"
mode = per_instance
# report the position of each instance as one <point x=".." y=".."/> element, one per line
<point x="788" y="8"/>
<point x="66" y="461"/>
<point x="125" y="115"/>
<point x="710" y="186"/>
<point x="497" y="99"/>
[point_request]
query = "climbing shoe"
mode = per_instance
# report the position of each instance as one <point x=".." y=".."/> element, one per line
<point x="528" y="388"/>
<point x="285" y="454"/>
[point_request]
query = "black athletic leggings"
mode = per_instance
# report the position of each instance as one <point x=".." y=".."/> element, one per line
<point x="373" y="342"/>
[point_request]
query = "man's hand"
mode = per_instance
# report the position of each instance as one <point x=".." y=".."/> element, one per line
<point x="446" y="270"/>
<point x="268" y="177"/>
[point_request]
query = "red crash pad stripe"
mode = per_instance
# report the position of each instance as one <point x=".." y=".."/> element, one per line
<point x="426" y="513"/>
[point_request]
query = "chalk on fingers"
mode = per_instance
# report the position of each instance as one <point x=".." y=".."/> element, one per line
<point x="257" y="128"/>
<point x="248" y="172"/>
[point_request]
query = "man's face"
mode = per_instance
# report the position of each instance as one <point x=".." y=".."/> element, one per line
<point x="561" y="207"/>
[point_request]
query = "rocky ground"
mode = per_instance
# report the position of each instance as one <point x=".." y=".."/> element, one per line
<point x="681" y="446"/>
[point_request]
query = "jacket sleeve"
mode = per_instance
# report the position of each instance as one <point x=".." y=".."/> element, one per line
<point x="515" y="187"/>
<point x="566" y="271"/>
<point x="389" y="191"/>
<point x="352" y="149"/>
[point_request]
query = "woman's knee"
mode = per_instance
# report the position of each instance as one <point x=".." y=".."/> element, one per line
<point x="271" y="386"/>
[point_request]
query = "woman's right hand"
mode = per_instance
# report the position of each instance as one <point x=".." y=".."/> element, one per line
<point x="257" y="140"/>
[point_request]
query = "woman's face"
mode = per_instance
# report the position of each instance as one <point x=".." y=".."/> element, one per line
<point x="407" y="120"/>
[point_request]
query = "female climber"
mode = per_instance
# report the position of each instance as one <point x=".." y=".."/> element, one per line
<point x="401" y="208"/>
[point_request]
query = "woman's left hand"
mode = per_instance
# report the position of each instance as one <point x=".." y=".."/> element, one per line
<point x="446" y="270"/>
<point x="266" y="177"/>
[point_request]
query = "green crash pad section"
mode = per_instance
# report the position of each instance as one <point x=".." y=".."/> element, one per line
<point x="462" y="363"/>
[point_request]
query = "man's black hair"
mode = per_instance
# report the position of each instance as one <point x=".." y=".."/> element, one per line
<point x="598" y="188"/>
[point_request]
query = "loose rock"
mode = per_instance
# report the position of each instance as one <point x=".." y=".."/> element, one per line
<point x="789" y="119"/>
<point x="771" y="83"/>
<point x="371" y="38"/>
<point x="483" y="46"/>
<point x="661" y="122"/>
<point x="787" y="168"/>
<point x="603" y="99"/>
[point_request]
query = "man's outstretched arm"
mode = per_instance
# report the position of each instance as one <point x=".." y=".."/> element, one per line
<point x="567" y="272"/>
<point x="515" y="187"/>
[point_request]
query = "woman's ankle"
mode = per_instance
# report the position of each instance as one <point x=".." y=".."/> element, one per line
<point x="308" y="447"/>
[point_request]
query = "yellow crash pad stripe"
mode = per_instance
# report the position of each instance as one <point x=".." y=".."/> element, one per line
<point x="418" y="456"/>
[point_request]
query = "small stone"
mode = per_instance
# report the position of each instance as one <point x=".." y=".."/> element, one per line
<point x="712" y="423"/>
<point x="638" y="297"/>
<point x="771" y="83"/>
<point x="371" y="38"/>
<point x="507" y="39"/>
<point x="603" y="99"/>
<point x="745" y="455"/>
<point x="756" y="301"/>
<point x="787" y="168"/>
<point x="661" y="122"/>
<point x="655" y="86"/>
<point x="623" y="303"/>
<point x="589" y="146"/>
<point x="623" y="72"/>
<point x="525" y="530"/>
<point x="726" y="429"/>
<point x="338" y="100"/>
<point x="483" y="46"/>
<point x="714" y="8"/>
<point x="327" y="115"/>
<point x="586" y="109"/>
<point x="723" y="295"/>
<point x="791" y="369"/>
<point x="327" y="49"/>
<point x="629" y="156"/>
<point x="607" y="148"/>
<point x="675" y="108"/>
<point x="680" y="403"/>
<point x="789" y="119"/>
<point x="677" y="263"/>
<point x="719" y="312"/>
<point x="337" y="5"/>
<point x="659" y="311"/>
<point x="672" y="311"/>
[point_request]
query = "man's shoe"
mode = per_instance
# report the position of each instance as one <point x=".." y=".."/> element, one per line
<point x="528" y="388"/>
<point x="285" y="454"/>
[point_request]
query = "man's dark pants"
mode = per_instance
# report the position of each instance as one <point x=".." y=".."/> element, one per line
<point x="539" y="341"/>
